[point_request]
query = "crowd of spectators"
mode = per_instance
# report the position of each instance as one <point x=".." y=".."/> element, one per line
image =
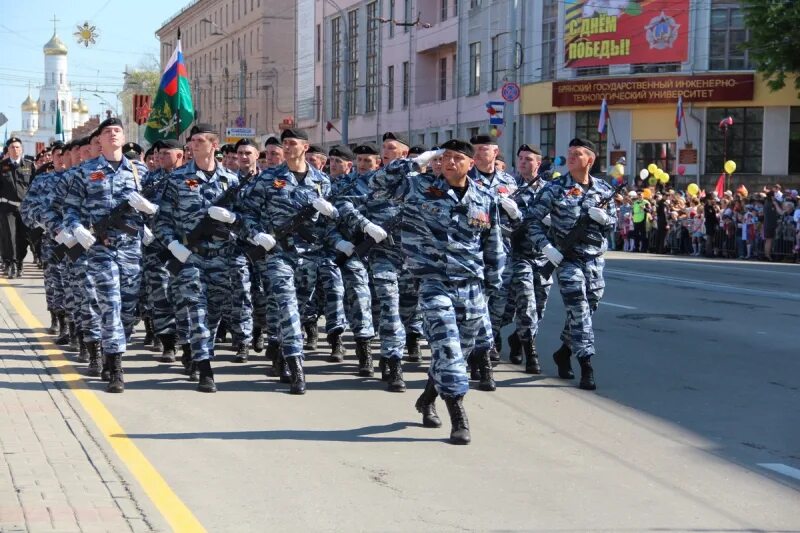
<point x="738" y="225"/>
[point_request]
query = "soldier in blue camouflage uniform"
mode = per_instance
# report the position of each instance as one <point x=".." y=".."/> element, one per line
<point x="580" y="271"/>
<point x="451" y="236"/>
<point x="500" y="184"/>
<point x="113" y="261"/>
<point x="203" y="281"/>
<point x="269" y="203"/>
<point x="529" y="289"/>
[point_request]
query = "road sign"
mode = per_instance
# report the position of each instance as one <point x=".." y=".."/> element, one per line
<point x="240" y="132"/>
<point x="3" y="119"/>
<point x="510" y="91"/>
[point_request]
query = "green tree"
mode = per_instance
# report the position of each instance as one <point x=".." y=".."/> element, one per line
<point x="774" y="42"/>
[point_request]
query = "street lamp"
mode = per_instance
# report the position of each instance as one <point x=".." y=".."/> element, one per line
<point x="116" y="110"/>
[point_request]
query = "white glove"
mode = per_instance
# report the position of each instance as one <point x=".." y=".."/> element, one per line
<point x="599" y="215"/>
<point x="546" y="220"/>
<point x="510" y="207"/>
<point x="148" y="236"/>
<point x="324" y="207"/>
<point x="221" y="214"/>
<point x="63" y="236"/>
<point x="553" y="255"/>
<point x="266" y="240"/>
<point x="346" y="247"/>
<point x="180" y="252"/>
<point x="425" y="157"/>
<point x="70" y="241"/>
<point x="141" y="204"/>
<point x="84" y="237"/>
<point x="376" y="232"/>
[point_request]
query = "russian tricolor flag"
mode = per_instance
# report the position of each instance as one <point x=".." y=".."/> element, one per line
<point x="604" y="116"/>
<point x="175" y="69"/>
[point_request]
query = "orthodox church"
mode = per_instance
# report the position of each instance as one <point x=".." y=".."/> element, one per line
<point x="39" y="116"/>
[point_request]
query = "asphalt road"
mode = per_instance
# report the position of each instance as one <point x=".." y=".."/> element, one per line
<point x="694" y="426"/>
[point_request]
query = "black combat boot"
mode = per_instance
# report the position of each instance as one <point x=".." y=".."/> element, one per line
<point x="186" y="357"/>
<point x="158" y="346"/>
<point x="395" y="381"/>
<point x="105" y="373"/>
<point x="587" y="374"/>
<point x="12" y="271"/>
<point x="242" y="352"/>
<point x="206" y="383"/>
<point x="258" y="340"/>
<point x="485" y="370"/>
<point x="284" y="372"/>
<point x="412" y="348"/>
<point x="53" y="323"/>
<point x="494" y="351"/>
<point x="531" y="357"/>
<point x="459" y="434"/>
<point x="273" y="354"/>
<point x="298" y="378"/>
<point x="337" y="348"/>
<point x="148" y="332"/>
<point x="83" y="353"/>
<point x="193" y="371"/>
<point x="364" y="353"/>
<point x="94" y="359"/>
<point x="561" y="357"/>
<point x="383" y="365"/>
<point x="63" y="330"/>
<point x="472" y="364"/>
<point x="6" y="269"/>
<point x="116" y="384"/>
<point x="312" y="335"/>
<point x="222" y="332"/>
<point x="73" y="336"/>
<point x="18" y="273"/>
<point x="426" y="406"/>
<point x="514" y="349"/>
<point x="168" y="351"/>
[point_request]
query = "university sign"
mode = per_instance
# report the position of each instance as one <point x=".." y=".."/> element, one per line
<point x="606" y="32"/>
<point x="653" y="90"/>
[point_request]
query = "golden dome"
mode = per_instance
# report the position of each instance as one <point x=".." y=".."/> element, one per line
<point x="55" y="47"/>
<point x="76" y="107"/>
<point x="29" y="105"/>
<point x="84" y="106"/>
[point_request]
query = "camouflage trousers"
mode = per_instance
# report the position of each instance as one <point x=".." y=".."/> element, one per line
<point x="410" y="314"/>
<point x="113" y="272"/>
<point x="156" y="281"/>
<point x="278" y="277"/>
<point x="581" y="284"/>
<point x="82" y="304"/>
<point x="385" y="275"/>
<point x="53" y="277"/>
<point x="238" y="308"/>
<point x="357" y="298"/>
<point x="527" y="298"/>
<point x="322" y="269"/>
<point x="453" y="313"/>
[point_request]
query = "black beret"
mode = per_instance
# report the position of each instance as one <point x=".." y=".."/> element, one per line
<point x="13" y="140"/>
<point x="228" y="149"/>
<point x="262" y="154"/>
<point x="218" y="155"/>
<point x="416" y="150"/>
<point x="390" y="136"/>
<point x="529" y="148"/>
<point x="483" y="138"/>
<point x="366" y="149"/>
<point x="58" y="146"/>
<point x="168" y="144"/>
<point x="245" y="142"/>
<point x="457" y="145"/>
<point x="584" y="143"/>
<point x="94" y="134"/>
<point x="500" y="157"/>
<point x="202" y="127"/>
<point x="131" y="147"/>
<point x="274" y="141"/>
<point x="342" y="152"/>
<point x="316" y="149"/>
<point x="150" y="151"/>
<point x="294" y="133"/>
<point x="113" y="121"/>
<point x="27" y="158"/>
<point x="83" y="141"/>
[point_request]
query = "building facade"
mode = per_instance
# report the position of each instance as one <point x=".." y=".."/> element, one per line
<point x="642" y="57"/>
<point x="240" y="58"/>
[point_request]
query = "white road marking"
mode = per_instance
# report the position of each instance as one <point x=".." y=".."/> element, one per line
<point x="618" y="305"/>
<point x="782" y="469"/>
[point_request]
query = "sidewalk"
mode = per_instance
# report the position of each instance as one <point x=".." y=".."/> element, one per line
<point x="53" y="474"/>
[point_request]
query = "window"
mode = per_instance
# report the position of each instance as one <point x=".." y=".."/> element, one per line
<point x="319" y="44"/>
<point x="655" y="68"/>
<point x="443" y="10"/>
<point x="474" y="3"/>
<point x="495" y="61"/>
<point x="448" y="134"/>
<point x="794" y="141"/>
<point x="391" y="18"/>
<point x="591" y="71"/>
<point x="547" y="134"/>
<point x="317" y="102"/>
<point x="406" y="84"/>
<point x="728" y="32"/>
<point x="586" y="128"/>
<point x="61" y="78"/>
<point x="549" y="41"/>
<point x="352" y="64"/>
<point x="390" y="83"/>
<point x="407" y="17"/>
<point x="744" y="139"/>
<point x="372" y="57"/>
<point x="660" y="153"/>
<point x="455" y="74"/>
<point x="474" y="68"/>
<point x="455" y="12"/>
<point x="435" y="138"/>
<point x="473" y="132"/>
<point x="336" y="65"/>
<point x="442" y="78"/>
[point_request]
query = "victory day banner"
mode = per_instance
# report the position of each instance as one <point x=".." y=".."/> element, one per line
<point x="610" y="32"/>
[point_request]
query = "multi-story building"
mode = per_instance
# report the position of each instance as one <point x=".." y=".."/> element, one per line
<point x="641" y="57"/>
<point x="240" y="58"/>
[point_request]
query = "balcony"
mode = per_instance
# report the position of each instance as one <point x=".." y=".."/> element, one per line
<point x="441" y="34"/>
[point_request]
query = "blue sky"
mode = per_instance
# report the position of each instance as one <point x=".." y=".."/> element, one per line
<point x="127" y="37"/>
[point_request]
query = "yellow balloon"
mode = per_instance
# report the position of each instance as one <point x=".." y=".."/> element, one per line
<point x="658" y="173"/>
<point x="651" y="168"/>
<point x="620" y="169"/>
<point x="664" y="178"/>
<point x="556" y="174"/>
<point x="730" y="166"/>
<point x="693" y="189"/>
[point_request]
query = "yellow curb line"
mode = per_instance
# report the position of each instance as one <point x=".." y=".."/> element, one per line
<point x="179" y="517"/>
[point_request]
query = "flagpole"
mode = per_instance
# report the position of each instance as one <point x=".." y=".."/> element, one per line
<point x="611" y="127"/>
<point x="178" y="114"/>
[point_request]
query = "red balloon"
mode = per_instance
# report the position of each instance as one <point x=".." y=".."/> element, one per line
<point x="681" y="170"/>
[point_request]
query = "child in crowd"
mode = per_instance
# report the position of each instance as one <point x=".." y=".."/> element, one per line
<point x="697" y="229"/>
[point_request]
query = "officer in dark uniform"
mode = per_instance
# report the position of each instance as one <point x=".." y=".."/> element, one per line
<point x="16" y="175"/>
<point x="133" y="151"/>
